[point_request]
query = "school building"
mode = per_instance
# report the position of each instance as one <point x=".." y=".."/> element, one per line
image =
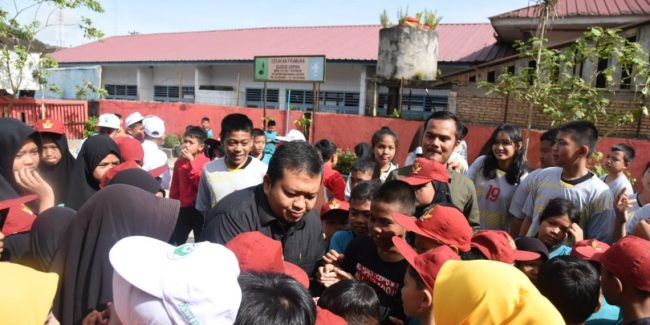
<point x="216" y="67"/>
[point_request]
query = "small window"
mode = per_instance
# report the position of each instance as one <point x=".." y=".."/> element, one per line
<point x="511" y="70"/>
<point x="532" y="65"/>
<point x="601" y="80"/>
<point x="472" y="78"/>
<point x="491" y="76"/>
<point x="127" y="92"/>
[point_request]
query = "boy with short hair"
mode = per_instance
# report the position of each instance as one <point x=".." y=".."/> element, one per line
<point x="362" y="170"/>
<point x="571" y="180"/>
<point x="625" y="278"/>
<point x="572" y="285"/>
<point x="271" y="138"/>
<point x="420" y="278"/>
<point x="205" y="125"/>
<point x="185" y="183"/>
<point x="332" y="179"/>
<point x="546" y="142"/>
<point x="375" y="259"/>
<point x="236" y="170"/>
<point x="618" y="160"/>
<point x="360" y="200"/>
<point x="259" y="142"/>
<point x="334" y="217"/>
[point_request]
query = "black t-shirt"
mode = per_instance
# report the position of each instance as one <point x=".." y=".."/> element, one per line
<point x="387" y="278"/>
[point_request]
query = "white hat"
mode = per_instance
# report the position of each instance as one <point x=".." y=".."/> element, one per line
<point x="292" y="135"/>
<point x="108" y="120"/>
<point x="194" y="283"/>
<point x="154" y="126"/>
<point x="133" y="118"/>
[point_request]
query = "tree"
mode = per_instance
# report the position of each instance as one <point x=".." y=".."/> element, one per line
<point x="560" y="87"/>
<point x="22" y="55"/>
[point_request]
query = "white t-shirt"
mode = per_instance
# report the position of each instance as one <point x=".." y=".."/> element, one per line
<point x="591" y="197"/>
<point x="217" y="181"/>
<point x="636" y="213"/>
<point x="521" y="195"/>
<point x="494" y="196"/>
<point x="618" y="184"/>
<point x="155" y="158"/>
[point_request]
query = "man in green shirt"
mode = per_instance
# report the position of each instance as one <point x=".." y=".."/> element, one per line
<point x="442" y="133"/>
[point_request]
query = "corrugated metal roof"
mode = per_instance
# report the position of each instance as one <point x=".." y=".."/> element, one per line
<point x="573" y="8"/>
<point x="458" y="43"/>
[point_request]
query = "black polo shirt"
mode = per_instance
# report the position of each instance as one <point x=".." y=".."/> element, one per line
<point x="249" y="210"/>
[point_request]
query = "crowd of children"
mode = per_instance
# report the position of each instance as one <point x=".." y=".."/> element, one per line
<point x="252" y="227"/>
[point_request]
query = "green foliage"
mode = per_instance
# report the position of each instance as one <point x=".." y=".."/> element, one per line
<point x="384" y="20"/>
<point x="82" y="92"/>
<point x="172" y="140"/>
<point x="396" y="113"/>
<point x="303" y="123"/>
<point x="346" y="159"/>
<point x="90" y="126"/>
<point x="562" y="94"/>
<point x="19" y="44"/>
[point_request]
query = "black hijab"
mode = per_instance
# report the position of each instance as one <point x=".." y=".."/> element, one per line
<point x="13" y="134"/>
<point x="46" y="234"/>
<point x="139" y="178"/>
<point x="82" y="185"/>
<point x="58" y="175"/>
<point x="85" y="272"/>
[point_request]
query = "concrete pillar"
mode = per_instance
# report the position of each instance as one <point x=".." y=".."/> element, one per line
<point x="362" y="91"/>
<point x="145" y="83"/>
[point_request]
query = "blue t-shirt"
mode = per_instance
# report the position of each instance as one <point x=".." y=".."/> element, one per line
<point x="210" y="134"/>
<point x="560" y="250"/>
<point x="607" y="314"/>
<point x="271" y="141"/>
<point x="340" y="240"/>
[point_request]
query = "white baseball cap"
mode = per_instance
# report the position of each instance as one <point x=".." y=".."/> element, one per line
<point x="154" y="126"/>
<point x="108" y="120"/>
<point x="292" y="135"/>
<point x="133" y="118"/>
<point x="155" y="282"/>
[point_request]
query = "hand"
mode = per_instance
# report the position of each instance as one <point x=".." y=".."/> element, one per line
<point x="621" y="204"/>
<point x="332" y="257"/>
<point x="330" y="274"/>
<point x="30" y="180"/>
<point x="186" y="154"/>
<point x="455" y="165"/>
<point x="96" y="318"/>
<point x="576" y="232"/>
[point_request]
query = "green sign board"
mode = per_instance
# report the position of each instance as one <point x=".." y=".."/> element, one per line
<point x="290" y="68"/>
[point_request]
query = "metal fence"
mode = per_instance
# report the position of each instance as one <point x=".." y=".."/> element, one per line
<point x="73" y="113"/>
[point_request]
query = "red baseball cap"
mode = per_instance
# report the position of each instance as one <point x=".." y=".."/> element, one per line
<point x="424" y="171"/>
<point x="442" y="223"/>
<point x="334" y="204"/>
<point x="130" y="149"/>
<point x="427" y="264"/>
<point x="326" y="317"/>
<point x="257" y="252"/>
<point x="497" y="245"/>
<point x="108" y="176"/>
<point x="629" y="260"/>
<point x="586" y="249"/>
<point x="19" y="217"/>
<point x="49" y="125"/>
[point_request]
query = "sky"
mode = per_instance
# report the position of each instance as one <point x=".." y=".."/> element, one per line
<point x="122" y="17"/>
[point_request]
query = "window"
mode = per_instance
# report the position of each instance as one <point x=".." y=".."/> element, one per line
<point x="254" y="97"/>
<point x="491" y="76"/>
<point x="415" y="106"/>
<point x="330" y="101"/>
<point x="472" y="78"/>
<point x="173" y="94"/>
<point x="126" y="92"/>
<point x="532" y="65"/>
<point x="601" y="79"/>
<point x="511" y="70"/>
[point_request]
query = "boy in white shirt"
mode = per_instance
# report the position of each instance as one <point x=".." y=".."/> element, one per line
<point x="618" y="160"/>
<point x="155" y="160"/>
<point x="236" y="170"/>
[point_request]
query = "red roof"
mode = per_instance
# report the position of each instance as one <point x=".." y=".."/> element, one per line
<point x="573" y="8"/>
<point x="458" y="43"/>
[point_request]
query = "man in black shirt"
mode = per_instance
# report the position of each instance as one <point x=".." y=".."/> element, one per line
<point x="281" y="207"/>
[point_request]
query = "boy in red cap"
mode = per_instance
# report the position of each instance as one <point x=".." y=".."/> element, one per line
<point x="439" y="225"/>
<point x="497" y="245"/>
<point x="423" y="178"/>
<point x="334" y="216"/>
<point x="625" y="278"/>
<point x="420" y="278"/>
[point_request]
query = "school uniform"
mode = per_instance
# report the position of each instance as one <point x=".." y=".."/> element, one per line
<point x="590" y="195"/>
<point x="494" y="196"/>
<point x="334" y="182"/>
<point x="619" y="183"/>
<point x="184" y="187"/>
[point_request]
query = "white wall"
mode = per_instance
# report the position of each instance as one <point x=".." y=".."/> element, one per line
<point x="119" y="75"/>
<point x="145" y="83"/>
